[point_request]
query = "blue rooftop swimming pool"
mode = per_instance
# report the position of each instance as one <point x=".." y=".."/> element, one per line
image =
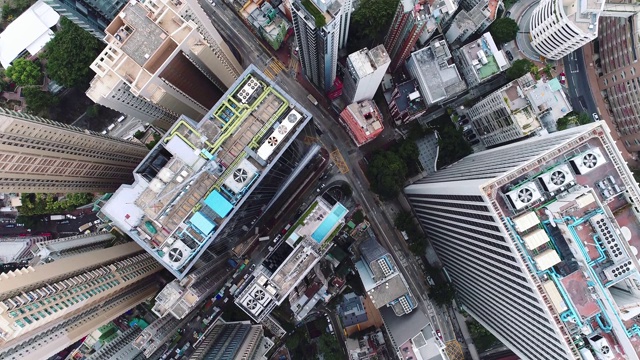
<point x="329" y="222"/>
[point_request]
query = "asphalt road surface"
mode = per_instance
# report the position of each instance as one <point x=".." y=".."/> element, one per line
<point x="252" y="51"/>
<point x="578" y="83"/>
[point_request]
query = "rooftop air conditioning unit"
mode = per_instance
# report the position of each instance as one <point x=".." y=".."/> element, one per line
<point x="556" y="178"/>
<point x="524" y="195"/>
<point x="588" y="161"/>
<point x="177" y="254"/>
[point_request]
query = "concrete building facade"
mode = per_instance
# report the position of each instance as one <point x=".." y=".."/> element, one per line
<point x="560" y="27"/>
<point x="35" y="299"/>
<point x="168" y="57"/>
<point x="230" y="340"/>
<point x="499" y="222"/>
<point x="91" y="15"/>
<point x="318" y="33"/>
<point x="365" y="70"/>
<point x="408" y="24"/>
<point x="40" y="155"/>
<point x="475" y="17"/>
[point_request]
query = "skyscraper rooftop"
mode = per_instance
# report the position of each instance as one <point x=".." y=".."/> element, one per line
<point x="191" y="186"/>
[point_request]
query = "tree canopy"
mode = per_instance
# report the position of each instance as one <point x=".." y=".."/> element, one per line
<point x="504" y="30"/>
<point x="24" y="72"/>
<point x="43" y="204"/>
<point x="70" y="53"/>
<point x="370" y="22"/>
<point x="453" y="146"/>
<point x="387" y="174"/>
<point x="38" y="101"/>
<point x="519" y="68"/>
<point x="482" y="338"/>
<point x="442" y="294"/>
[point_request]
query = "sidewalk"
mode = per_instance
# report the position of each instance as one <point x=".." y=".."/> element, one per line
<point x="602" y="108"/>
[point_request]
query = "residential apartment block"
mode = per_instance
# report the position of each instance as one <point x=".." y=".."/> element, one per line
<point x="365" y="70"/>
<point x="301" y="248"/>
<point x="480" y="60"/>
<point x="521" y="108"/>
<point x="475" y="17"/>
<point x="207" y="184"/>
<point x="405" y="102"/>
<point x="162" y="60"/>
<point x="317" y="25"/>
<point x="539" y="239"/>
<point x="363" y="121"/>
<point x="437" y="74"/>
<point x="47" y="251"/>
<point x="231" y="340"/>
<point x="619" y="51"/>
<point x="40" y="155"/>
<point x="92" y="16"/>
<point x="37" y="301"/>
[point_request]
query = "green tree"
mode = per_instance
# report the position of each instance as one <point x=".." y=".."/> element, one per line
<point x="24" y="72"/>
<point x="38" y="101"/>
<point x="93" y="111"/>
<point x="403" y="220"/>
<point x="371" y="20"/>
<point x="453" y="146"/>
<point x="357" y="217"/>
<point x="387" y="174"/>
<point x="519" y="68"/>
<point x="70" y="53"/>
<point x="584" y="118"/>
<point x="482" y="338"/>
<point x="563" y="122"/>
<point x="504" y="30"/>
<point x="418" y="247"/>
<point x="442" y="294"/>
<point x="328" y="346"/>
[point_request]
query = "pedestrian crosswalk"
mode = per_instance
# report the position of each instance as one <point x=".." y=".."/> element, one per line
<point x="273" y="68"/>
<point x="294" y="64"/>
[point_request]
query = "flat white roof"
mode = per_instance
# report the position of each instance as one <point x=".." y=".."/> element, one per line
<point x="535" y="239"/>
<point x="547" y="259"/>
<point x="30" y="31"/>
<point x="554" y="295"/>
<point x="526" y="221"/>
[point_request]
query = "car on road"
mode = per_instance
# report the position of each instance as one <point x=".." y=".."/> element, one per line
<point x="471" y="136"/>
<point x="63" y="222"/>
<point x="10" y="226"/>
<point x="439" y="334"/>
<point x="474" y="142"/>
<point x="563" y="78"/>
<point x="463" y="122"/>
<point x="277" y="238"/>
<point x="596" y="117"/>
<point x="507" y="14"/>
<point x="509" y="55"/>
<point x="253" y="267"/>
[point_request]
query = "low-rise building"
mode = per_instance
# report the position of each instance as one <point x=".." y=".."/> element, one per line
<point x="351" y="310"/>
<point x="516" y="110"/>
<point x="382" y="280"/>
<point x="413" y="336"/>
<point x="481" y="60"/>
<point x="28" y="33"/>
<point x="437" y="74"/>
<point x="266" y="21"/>
<point x="363" y="121"/>
<point x="306" y="242"/>
<point x="405" y="102"/>
<point x="366" y="347"/>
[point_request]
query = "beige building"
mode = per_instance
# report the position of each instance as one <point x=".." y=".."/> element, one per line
<point x="36" y="302"/>
<point x="40" y="155"/>
<point x="163" y="59"/>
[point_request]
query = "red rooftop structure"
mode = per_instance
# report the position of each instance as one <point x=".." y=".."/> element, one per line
<point x="363" y="121"/>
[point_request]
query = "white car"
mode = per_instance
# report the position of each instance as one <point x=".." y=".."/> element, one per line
<point x="596" y="117"/>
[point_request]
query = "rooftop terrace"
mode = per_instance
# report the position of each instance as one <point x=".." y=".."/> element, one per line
<point x="482" y="59"/>
<point x="363" y="120"/>
<point x="574" y="215"/>
<point x="305" y="247"/>
<point x="193" y="182"/>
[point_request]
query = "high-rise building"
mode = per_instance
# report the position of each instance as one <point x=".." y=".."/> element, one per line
<point x="521" y="108"/>
<point x="475" y="17"/>
<point x="559" y="28"/>
<point x="317" y="28"/>
<point x="480" y="60"/>
<point x="619" y="55"/>
<point x="539" y="238"/>
<point x="92" y="16"/>
<point x="47" y="251"/>
<point x="162" y="60"/>
<point x="382" y="280"/>
<point x="408" y="24"/>
<point x="35" y="302"/>
<point x="345" y="21"/>
<point x="206" y="184"/>
<point x="437" y="74"/>
<point x="301" y="248"/>
<point x="365" y="70"/>
<point x="40" y="155"/>
<point x="363" y="121"/>
<point x="231" y="340"/>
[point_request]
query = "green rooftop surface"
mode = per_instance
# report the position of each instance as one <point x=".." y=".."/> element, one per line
<point x="490" y="68"/>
